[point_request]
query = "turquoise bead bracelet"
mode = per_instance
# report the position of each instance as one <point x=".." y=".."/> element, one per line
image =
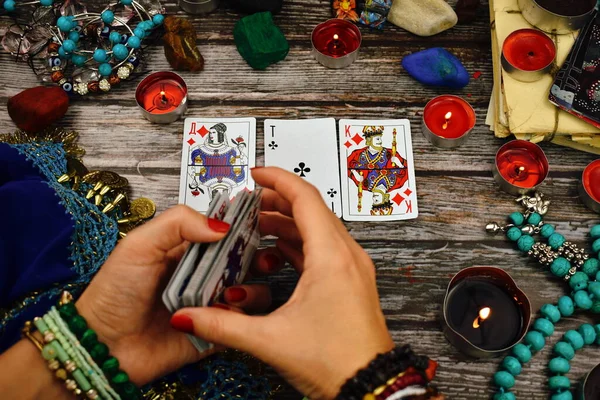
<point x="570" y="263"/>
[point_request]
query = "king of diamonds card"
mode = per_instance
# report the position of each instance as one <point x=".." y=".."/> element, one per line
<point x="377" y="170"/>
<point x="216" y="158"/>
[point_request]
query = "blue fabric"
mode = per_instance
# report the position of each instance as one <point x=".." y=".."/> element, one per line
<point x="35" y="237"/>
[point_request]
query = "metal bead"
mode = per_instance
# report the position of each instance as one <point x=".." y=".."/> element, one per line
<point x="91" y="394"/>
<point x="61" y="374"/>
<point x="123" y="72"/>
<point x="48" y="337"/>
<point x="104" y="85"/>
<point x="527" y="229"/>
<point x="77" y="392"/>
<point x="492" y="227"/>
<point x="81" y="88"/>
<point x="54" y="365"/>
<point x="572" y="271"/>
<point x="70" y="365"/>
<point x="71" y="384"/>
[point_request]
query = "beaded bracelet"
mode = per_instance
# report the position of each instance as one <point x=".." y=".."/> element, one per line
<point x="568" y="262"/>
<point x="371" y="381"/>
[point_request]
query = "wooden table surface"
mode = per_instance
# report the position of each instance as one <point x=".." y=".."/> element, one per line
<point x="457" y="195"/>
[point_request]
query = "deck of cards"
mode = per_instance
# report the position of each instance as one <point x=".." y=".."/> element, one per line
<point x="206" y="270"/>
<point x="364" y="169"/>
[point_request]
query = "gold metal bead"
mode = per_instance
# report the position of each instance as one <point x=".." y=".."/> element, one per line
<point x="76" y="182"/>
<point x="105" y="190"/>
<point x="70" y="365"/>
<point x="118" y="198"/>
<point x="98" y="199"/>
<point x="391" y="381"/>
<point x="61" y="374"/>
<point x="71" y="384"/>
<point x="54" y="364"/>
<point x="63" y="178"/>
<point x="122" y="235"/>
<point x="91" y="394"/>
<point x="48" y="337"/>
<point x="108" y="208"/>
<point x="77" y="392"/>
<point x="369" y="396"/>
<point x="379" y="390"/>
<point x="65" y="298"/>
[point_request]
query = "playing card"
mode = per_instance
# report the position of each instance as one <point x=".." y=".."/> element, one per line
<point x="191" y="258"/>
<point x="307" y="148"/>
<point x="216" y="158"/>
<point x="235" y="256"/>
<point x="377" y="170"/>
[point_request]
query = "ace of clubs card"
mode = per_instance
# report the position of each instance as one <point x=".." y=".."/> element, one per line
<point x="307" y="148"/>
<point x="377" y="170"/>
<point x="216" y="158"/>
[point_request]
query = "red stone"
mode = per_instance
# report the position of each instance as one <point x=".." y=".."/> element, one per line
<point x="114" y="80"/>
<point x="56" y="76"/>
<point x="53" y="47"/>
<point x="37" y="108"/>
<point x="93" y="86"/>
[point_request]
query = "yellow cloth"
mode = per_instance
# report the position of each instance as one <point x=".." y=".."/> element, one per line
<point x="523" y="109"/>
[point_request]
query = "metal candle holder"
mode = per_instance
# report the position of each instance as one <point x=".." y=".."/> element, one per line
<point x="331" y="61"/>
<point x="509" y="187"/>
<point x="167" y="117"/>
<point x="525" y="75"/>
<point x="587" y="197"/>
<point x="502" y="279"/>
<point x="549" y="21"/>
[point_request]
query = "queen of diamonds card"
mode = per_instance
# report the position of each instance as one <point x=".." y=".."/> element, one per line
<point x="377" y="170"/>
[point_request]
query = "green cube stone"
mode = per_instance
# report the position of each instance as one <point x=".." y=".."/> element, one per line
<point x="259" y="41"/>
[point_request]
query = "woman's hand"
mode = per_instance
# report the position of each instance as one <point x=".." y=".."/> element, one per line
<point x="123" y="302"/>
<point x="333" y="324"/>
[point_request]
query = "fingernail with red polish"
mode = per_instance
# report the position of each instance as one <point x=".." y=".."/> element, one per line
<point x="236" y="294"/>
<point x="182" y="323"/>
<point x="273" y="261"/>
<point x="221" y="306"/>
<point x="218" y="226"/>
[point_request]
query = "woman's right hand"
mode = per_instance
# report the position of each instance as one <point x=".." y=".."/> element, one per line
<point x="332" y="325"/>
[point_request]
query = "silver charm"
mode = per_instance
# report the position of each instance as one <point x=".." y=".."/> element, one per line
<point x="535" y="203"/>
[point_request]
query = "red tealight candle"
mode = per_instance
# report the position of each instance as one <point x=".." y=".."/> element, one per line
<point x="162" y="97"/>
<point x="590" y="186"/>
<point x="528" y="54"/>
<point x="336" y="43"/>
<point x="521" y="166"/>
<point x="447" y="121"/>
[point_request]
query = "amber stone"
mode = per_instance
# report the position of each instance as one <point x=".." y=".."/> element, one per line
<point x="114" y="80"/>
<point x="57" y="76"/>
<point x="37" y="108"/>
<point x="180" y="45"/>
<point x="93" y="86"/>
<point x="53" y="47"/>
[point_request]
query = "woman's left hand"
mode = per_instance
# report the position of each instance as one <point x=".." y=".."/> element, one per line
<point x="123" y="302"/>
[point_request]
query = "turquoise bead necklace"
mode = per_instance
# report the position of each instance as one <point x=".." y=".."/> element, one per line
<point x="573" y="265"/>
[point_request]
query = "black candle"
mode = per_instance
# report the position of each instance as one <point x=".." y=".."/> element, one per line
<point x="484" y="313"/>
<point x="592" y="384"/>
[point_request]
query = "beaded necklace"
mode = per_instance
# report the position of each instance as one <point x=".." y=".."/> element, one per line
<point x="569" y="263"/>
<point x="101" y="48"/>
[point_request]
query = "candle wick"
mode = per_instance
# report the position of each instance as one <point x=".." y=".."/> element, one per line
<point x="163" y="97"/>
<point x="447" y="118"/>
<point x="531" y="54"/>
<point x="520" y="170"/>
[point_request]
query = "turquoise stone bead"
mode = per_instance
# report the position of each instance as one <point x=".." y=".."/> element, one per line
<point x="62" y="53"/>
<point x="522" y="353"/>
<point x="582" y="299"/>
<point x="139" y="32"/>
<point x="120" y="51"/>
<point x="46" y="3"/>
<point x="146" y="25"/>
<point x="134" y="42"/>
<point x="525" y="243"/>
<point x="69" y="46"/>
<point x="78" y="59"/>
<point x="559" y="382"/>
<point x="560" y="267"/>
<point x="536" y="340"/>
<point x="562" y="396"/>
<point x="158" y="19"/>
<point x="64" y="23"/>
<point x="74" y="36"/>
<point x="591" y="267"/>
<point x="597" y="329"/>
<point x="574" y="338"/>
<point x="504" y="379"/>
<point x="566" y="306"/>
<point x="596" y="307"/>
<point x="595" y="232"/>
<point x="588" y="333"/>
<point x="556" y="240"/>
<point x="551" y="312"/>
<point x="114" y="37"/>
<point x="594" y="288"/>
<point x="516" y="218"/>
<point x="565" y="350"/>
<point x="9" y="5"/>
<point x="559" y="365"/>
<point x="596" y="246"/>
<point x="126" y="2"/>
<point x="105" y="69"/>
<point x="543" y="326"/>
<point x="579" y="281"/>
<point x="534" y="218"/>
<point x="504" y="396"/>
<point x="513" y="233"/>
<point x="512" y="365"/>
<point x="100" y="55"/>
<point x="546" y="231"/>
<point x="107" y="16"/>
<point x="597" y="277"/>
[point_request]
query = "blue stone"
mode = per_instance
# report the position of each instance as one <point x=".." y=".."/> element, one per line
<point x="436" y="67"/>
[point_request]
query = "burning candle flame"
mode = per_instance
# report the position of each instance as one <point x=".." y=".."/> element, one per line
<point x="520" y="170"/>
<point x="163" y="96"/>
<point x="484" y="314"/>
<point x="335" y="36"/>
<point x="447" y="117"/>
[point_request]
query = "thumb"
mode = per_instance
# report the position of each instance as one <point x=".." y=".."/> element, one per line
<point x="221" y="327"/>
